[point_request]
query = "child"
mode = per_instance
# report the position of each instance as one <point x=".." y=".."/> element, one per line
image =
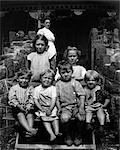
<point x="49" y="35"/>
<point x="45" y="100"/>
<point x="70" y="103"/>
<point x="40" y="60"/>
<point x="96" y="98"/>
<point x="21" y="100"/>
<point x="72" y="55"/>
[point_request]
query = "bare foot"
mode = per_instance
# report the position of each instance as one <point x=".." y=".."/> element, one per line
<point x="33" y="131"/>
<point x="52" y="137"/>
<point x="59" y="134"/>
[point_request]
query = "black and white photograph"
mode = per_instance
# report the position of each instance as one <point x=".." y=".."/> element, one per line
<point x="59" y="74"/>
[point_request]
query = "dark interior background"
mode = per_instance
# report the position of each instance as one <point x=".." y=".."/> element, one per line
<point x="69" y="29"/>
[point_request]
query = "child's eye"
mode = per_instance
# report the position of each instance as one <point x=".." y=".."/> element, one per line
<point x="68" y="71"/>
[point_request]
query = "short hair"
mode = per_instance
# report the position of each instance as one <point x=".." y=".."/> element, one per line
<point x="64" y="65"/>
<point x="23" y="73"/>
<point x="41" y="37"/>
<point x="65" y="55"/>
<point x="47" y="71"/>
<point x="92" y="73"/>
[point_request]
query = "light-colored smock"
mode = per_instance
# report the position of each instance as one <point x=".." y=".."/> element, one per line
<point x="78" y="72"/>
<point x="39" y="63"/>
<point x="21" y="96"/>
<point x="45" y="97"/>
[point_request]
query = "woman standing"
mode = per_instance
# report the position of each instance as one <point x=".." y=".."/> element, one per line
<point x="50" y="36"/>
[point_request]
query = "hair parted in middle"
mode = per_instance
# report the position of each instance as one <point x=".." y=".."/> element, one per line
<point x="65" y="55"/>
<point x="41" y="37"/>
<point x="47" y="71"/>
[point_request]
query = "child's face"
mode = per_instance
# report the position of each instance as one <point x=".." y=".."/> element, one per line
<point x="66" y="74"/>
<point x="23" y="81"/>
<point x="91" y="83"/>
<point x="46" y="80"/>
<point x="72" y="57"/>
<point x="40" y="46"/>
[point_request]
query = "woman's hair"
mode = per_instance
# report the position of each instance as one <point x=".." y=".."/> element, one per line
<point x="65" y="55"/>
<point x="41" y="37"/>
<point x="47" y="71"/>
<point x="46" y="18"/>
<point x="92" y="74"/>
<point x="64" y="65"/>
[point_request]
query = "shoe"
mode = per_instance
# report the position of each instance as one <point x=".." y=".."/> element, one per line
<point x="27" y="134"/>
<point x="89" y="127"/>
<point x="68" y="141"/>
<point x="101" y="129"/>
<point x="77" y="141"/>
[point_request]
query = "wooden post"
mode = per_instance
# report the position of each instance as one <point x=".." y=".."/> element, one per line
<point x="39" y="23"/>
<point x="92" y="55"/>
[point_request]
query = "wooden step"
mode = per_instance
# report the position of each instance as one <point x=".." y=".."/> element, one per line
<point x="54" y="147"/>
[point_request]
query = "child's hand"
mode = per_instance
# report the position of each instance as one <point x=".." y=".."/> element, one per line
<point x="48" y="112"/>
<point x="103" y="106"/>
<point x="59" y="112"/>
<point x="21" y="108"/>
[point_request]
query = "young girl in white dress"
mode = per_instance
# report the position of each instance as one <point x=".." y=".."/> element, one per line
<point x="41" y="59"/>
<point x="72" y="55"/>
<point x="45" y="99"/>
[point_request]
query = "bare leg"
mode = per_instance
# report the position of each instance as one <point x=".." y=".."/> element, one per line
<point x="88" y="117"/>
<point x="23" y="121"/>
<point x="30" y="120"/>
<point x="101" y="116"/>
<point x="49" y="129"/>
<point x="55" y="124"/>
<point x="88" y="121"/>
<point x="30" y="123"/>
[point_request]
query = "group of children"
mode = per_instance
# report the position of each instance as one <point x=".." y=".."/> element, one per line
<point x="58" y="94"/>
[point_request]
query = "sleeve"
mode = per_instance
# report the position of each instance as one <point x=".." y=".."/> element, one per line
<point x="36" y="93"/>
<point x="57" y="91"/>
<point x="54" y="92"/>
<point x="83" y="72"/>
<point x="40" y="31"/>
<point x="49" y="35"/>
<point x="13" y="101"/>
<point x="57" y="76"/>
<point x="53" y="63"/>
<point x="79" y="89"/>
<point x="30" y="56"/>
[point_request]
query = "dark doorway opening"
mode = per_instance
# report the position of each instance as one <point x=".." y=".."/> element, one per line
<point x="69" y="28"/>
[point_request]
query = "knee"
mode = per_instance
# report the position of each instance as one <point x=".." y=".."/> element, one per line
<point x="20" y="114"/>
<point x="100" y="114"/>
<point x="29" y="116"/>
<point x="89" y="115"/>
<point x="64" y="118"/>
